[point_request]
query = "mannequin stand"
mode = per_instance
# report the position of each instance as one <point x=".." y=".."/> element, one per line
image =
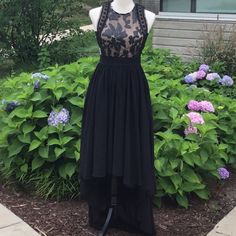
<point x="112" y="208"/>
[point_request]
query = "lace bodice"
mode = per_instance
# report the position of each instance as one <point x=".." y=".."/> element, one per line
<point x="121" y="35"/>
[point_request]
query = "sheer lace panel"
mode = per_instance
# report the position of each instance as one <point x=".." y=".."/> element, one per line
<point x="122" y="35"/>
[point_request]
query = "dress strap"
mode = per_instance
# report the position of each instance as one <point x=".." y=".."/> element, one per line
<point x="103" y="16"/>
<point x="142" y="18"/>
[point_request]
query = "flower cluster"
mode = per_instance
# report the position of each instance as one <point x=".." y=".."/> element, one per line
<point x="205" y="106"/>
<point x="204" y="72"/>
<point x="10" y="106"/>
<point x="61" y="117"/>
<point x="40" y="75"/>
<point x="195" y="117"/>
<point x="36" y="85"/>
<point x="224" y="174"/>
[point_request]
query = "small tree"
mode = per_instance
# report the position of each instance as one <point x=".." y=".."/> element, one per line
<point x="25" y="25"/>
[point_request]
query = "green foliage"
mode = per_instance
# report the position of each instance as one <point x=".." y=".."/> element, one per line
<point x="219" y="47"/>
<point x="47" y="157"/>
<point x="26" y="25"/>
<point x="29" y="146"/>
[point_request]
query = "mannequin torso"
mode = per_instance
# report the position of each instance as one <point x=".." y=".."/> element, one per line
<point x="121" y="7"/>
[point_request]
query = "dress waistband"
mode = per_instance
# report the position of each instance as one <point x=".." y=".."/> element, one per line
<point x="108" y="60"/>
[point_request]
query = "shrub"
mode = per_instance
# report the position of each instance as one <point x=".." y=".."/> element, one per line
<point x="47" y="157"/>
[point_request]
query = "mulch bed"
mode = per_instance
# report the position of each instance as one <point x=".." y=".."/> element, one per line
<point x="69" y="218"/>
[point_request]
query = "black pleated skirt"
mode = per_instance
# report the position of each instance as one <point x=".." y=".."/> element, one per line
<point x="117" y="141"/>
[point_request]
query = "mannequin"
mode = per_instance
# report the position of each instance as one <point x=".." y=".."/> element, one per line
<point x="121" y="7"/>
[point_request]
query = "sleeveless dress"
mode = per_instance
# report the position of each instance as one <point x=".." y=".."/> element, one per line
<point x="117" y="126"/>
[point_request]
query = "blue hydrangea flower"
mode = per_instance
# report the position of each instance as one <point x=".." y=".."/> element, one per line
<point x="61" y="117"/>
<point x="189" y="79"/>
<point x="11" y="106"/>
<point x="40" y="75"/>
<point x="36" y="84"/>
<point x="226" y="81"/>
<point x="224" y="174"/>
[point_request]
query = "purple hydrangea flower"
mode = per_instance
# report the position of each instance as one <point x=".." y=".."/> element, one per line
<point x="195" y="118"/>
<point x="212" y="76"/>
<point x="200" y="74"/>
<point x="61" y="117"/>
<point x="36" y="84"/>
<point x="193" y="105"/>
<point x="224" y="174"/>
<point x="226" y="81"/>
<point x="204" y="67"/>
<point x="40" y="75"/>
<point x="206" y="106"/>
<point x="190" y="130"/>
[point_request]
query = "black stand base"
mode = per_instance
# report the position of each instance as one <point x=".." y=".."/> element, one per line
<point x="112" y="209"/>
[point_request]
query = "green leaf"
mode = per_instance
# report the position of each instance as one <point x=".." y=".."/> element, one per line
<point x="204" y="156"/>
<point x="167" y="185"/>
<point x="59" y="151"/>
<point x="66" y="139"/>
<point x="27" y="128"/>
<point x="36" y="97"/>
<point x="77" y="101"/>
<point x="53" y="141"/>
<point x="189" y="158"/>
<point x="58" y="93"/>
<point x="77" y="155"/>
<point x="37" y="162"/>
<point x="203" y="193"/>
<point x="70" y="168"/>
<point x="176" y="180"/>
<point x="173" y="113"/>
<point x="182" y="200"/>
<point x="24" y="138"/>
<point x="189" y="187"/>
<point x="190" y="175"/>
<point x="40" y="114"/>
<point x="15" y="148"/>
<point x="35" y="143"/>
<point x="43" y="151"/>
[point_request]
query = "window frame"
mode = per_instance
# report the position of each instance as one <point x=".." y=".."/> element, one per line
<point x="193" y="8"/>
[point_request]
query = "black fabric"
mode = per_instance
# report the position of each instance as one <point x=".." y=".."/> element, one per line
<point x="117" y="128"/>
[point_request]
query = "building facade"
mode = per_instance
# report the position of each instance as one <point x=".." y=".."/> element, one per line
<point x="181" y="24"/>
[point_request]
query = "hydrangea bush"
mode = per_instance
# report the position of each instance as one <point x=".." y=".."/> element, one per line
<point x="41" y="124"/>
<point x="205" y="77"/>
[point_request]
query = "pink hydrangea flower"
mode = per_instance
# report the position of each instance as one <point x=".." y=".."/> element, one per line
<point x="195" y="118"/>
<point x="200" y="74"/>
<point x="190" y="130"/>
<point x="193" y="105"/>
<point x="206" y="106"/>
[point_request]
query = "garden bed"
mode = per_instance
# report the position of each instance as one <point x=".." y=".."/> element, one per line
<point x="69" y="218"/>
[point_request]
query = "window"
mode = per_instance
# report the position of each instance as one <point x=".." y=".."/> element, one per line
<point x="206" y="6"/>
<point x="216" y="6"/>
<point x="176" y="5"/>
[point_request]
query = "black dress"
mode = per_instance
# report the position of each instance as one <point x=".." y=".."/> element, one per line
<point x="117" y="126"/>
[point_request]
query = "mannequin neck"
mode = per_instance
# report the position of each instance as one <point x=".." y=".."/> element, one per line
<point x="123" y="6"/>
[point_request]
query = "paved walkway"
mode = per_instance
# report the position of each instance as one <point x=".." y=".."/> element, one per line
<point x="12" y="225"/>
<point x="227" y="226"/>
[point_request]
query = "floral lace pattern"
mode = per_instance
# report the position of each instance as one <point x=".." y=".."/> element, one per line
<point x="122" y="35"/>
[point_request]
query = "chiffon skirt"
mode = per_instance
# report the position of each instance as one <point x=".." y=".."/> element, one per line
<point x="117" y="141"/>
